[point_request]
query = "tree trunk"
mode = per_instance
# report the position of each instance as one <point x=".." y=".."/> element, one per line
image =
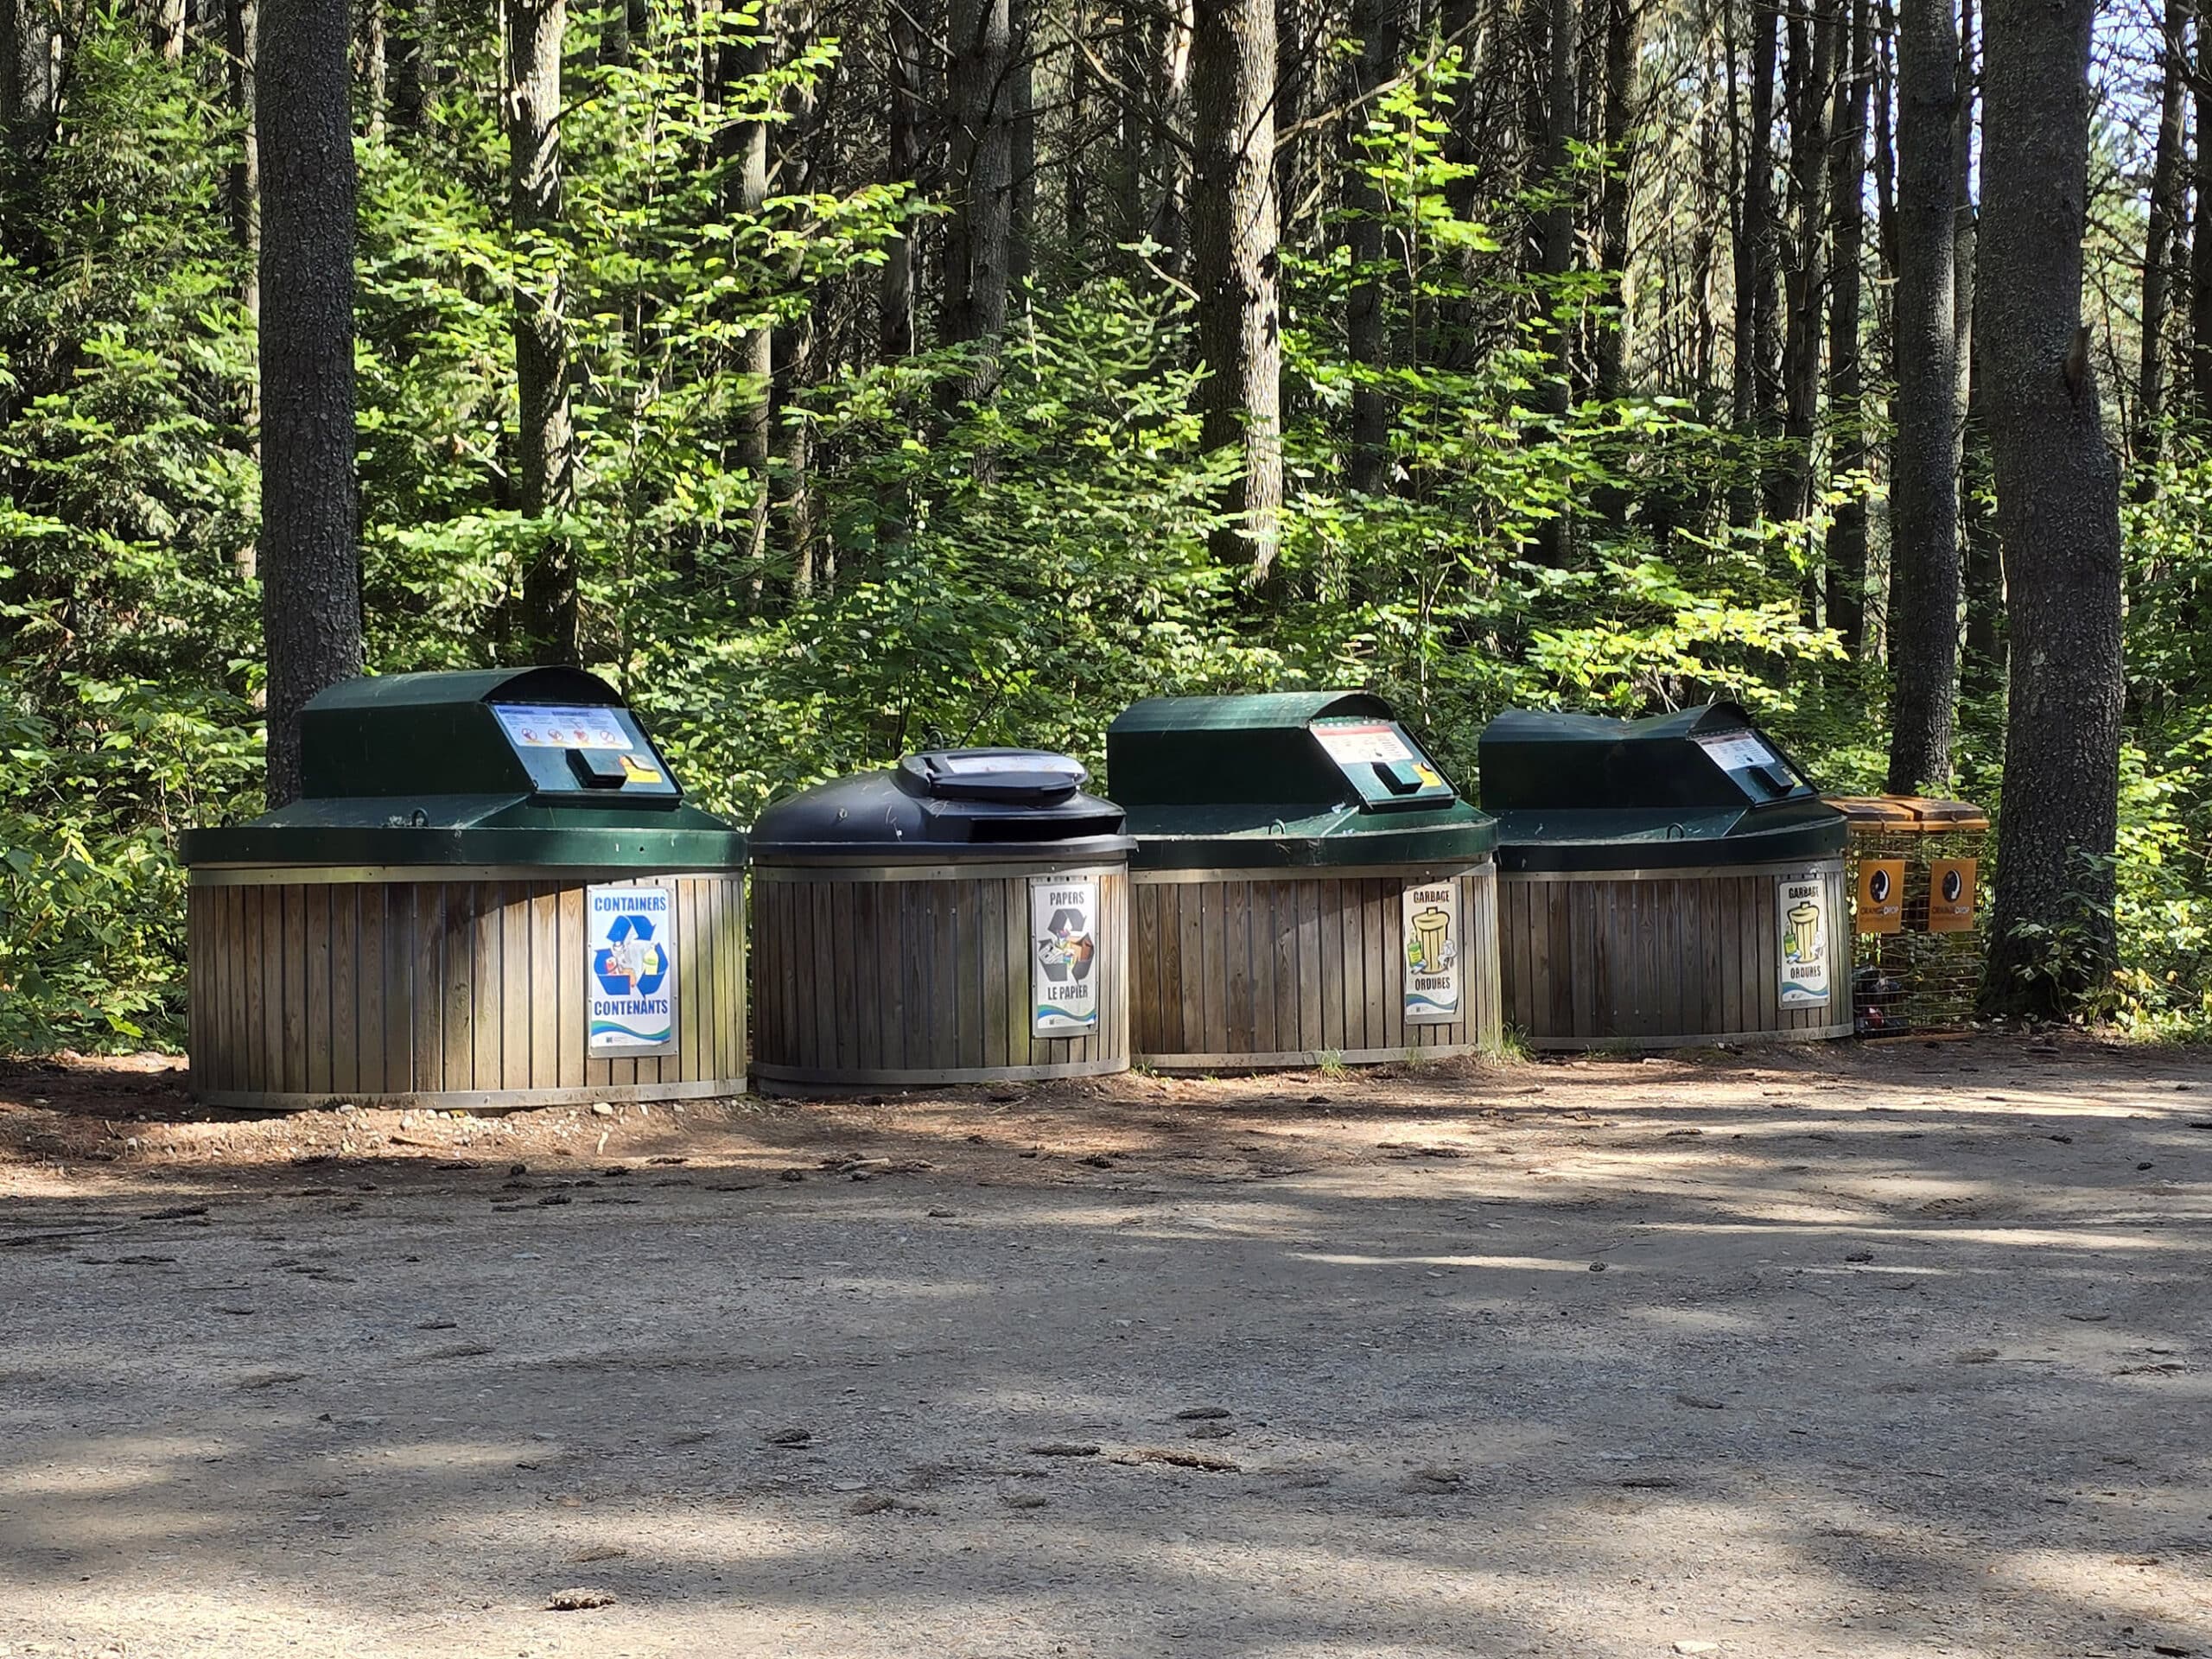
<point x="545" y="438"/>
<point x="376" y="46"/>
<point x="30" y="84"/>
<point x="1293" y="80"/>
<point x="1375" y="23"/>
<point x="242" y="185"/>
<point x="310" y="569"/>
<point x="1021" y="116"/>
<point x="2058" y="512"/>
<point x="1757" y="256"/>
<point x="407" y="62"/>
<point x="1846" y="594"/>
<point x="1235" y="269"/>
<point x="2158" y="242"/>
<point x="167" y="30"/>
<point x="1167" y="166"/>
<point x="749" y="59"/>
<point x="1812" y="75"/>
<point x="2200" y="247"/>
<point x="978" y="233"/>
<point x="1623" y="51"/>
<point x="1981" y="669"/>
<point x="1553" y="131"/>
<point x="1923" y="627"/>
<point x="907" y="73"/>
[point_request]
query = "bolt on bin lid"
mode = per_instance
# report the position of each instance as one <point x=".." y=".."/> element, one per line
<point x="1289" y="779"/>
<point x="1699" y="786"/>
<point x="946" y="806"/>
<point x="1908" y="814"/>
<point x="536" y="767"/>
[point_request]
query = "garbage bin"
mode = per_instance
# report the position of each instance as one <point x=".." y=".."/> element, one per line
<point x="491" y="893"/>
<point x="962" y="917"/>
<point x="1309" y="885"/>
<point x="1913" y="867"/>
<point x="1663" y="882"/>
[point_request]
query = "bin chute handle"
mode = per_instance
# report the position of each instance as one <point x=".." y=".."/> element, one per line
<point x="1675" y="832"/>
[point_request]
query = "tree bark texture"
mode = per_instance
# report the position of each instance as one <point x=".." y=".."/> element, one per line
<point x="2161" y="236"/>
<point x="1233" y="266"/>
<point x="1924" y="622"/>
<point x="1021" y="138"/>
<point x="2200" y="247"/>
<point x="310" y="569"/>
<point x="1374" y="24"/>
<point x="1805" y="283"/>
<point x="2057" y="510"/>
<point x="747" y="61"/>
<point x="1756" y="255"/>
<point x="407" y="62"/>
<point x="1846" y="575"/>
<point x="978" y="235"/>
<point x="1553" y="128"/>
<point x="545" y="434"/>
<point x="1624" y="52"/>
<point x="168" y="20"/>
<point x="242" y="186"/>
<point x="376" y="75"/>
<point x="906" y="71"/>
<point x="30" y="82"/>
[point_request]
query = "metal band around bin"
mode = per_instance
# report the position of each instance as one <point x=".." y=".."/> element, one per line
<point x="844" y="1078"/>
<point x="1700" y="1039"/>
<point x="872" y="873"/>
<point x="477" y="1100"/>
<point x="337" y="876"/>
<point x="1307" y="1058"/>
<point x="1418" y="873"/>
<point x="1822" y="863"/>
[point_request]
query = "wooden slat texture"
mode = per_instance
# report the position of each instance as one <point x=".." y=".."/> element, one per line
<point x="400" y="992"/>
<point x="1661" y="959"/>
<point x="895" y="982"/>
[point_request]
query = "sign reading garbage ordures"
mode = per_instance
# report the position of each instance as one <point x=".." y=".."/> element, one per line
<point x="1800" y="907"/>
<point x="1064" y="955"/>
<point x="1432" y="916"/>
<point x="630" y="976"/>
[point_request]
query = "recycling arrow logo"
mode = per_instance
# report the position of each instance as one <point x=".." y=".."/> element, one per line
<point x="632" y="962"/>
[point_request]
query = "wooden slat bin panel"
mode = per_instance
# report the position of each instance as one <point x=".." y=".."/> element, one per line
<point x="447" y="994"/>
<point x="1664" y="958"/>
<point x="890" y="977"/>
<point x="1249" y="968"/>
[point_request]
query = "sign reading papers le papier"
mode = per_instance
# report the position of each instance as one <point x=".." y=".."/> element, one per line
<point x="1064" y="955"/>
<point x="630" y="971"/>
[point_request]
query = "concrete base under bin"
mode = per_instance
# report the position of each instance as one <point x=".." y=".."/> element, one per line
<point x="1255" y="969"/>
<point x="918" y="976"/>
<point x="1662" y="958"/>
<point x="393" y="988"/>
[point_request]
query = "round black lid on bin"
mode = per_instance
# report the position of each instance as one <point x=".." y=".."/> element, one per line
<point x="948" y="805"/>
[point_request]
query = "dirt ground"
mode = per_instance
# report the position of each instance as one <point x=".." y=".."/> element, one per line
<point x="1866" y="1349"/>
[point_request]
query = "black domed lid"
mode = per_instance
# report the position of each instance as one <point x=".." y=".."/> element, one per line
<point x="945" y="805"/>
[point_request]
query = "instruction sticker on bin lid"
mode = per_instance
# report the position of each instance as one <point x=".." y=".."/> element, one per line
<point x="547" y="727"/>
<point x="1432" y="943"/>
<point x="1064" y="955"/>
<point x="1362" y="742"/>
<point x="1737" y="751"/>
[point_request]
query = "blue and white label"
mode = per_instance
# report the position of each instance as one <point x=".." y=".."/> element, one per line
<point x="1800" y="905"/>
<point x="630" y="975"/>
<point x="1064" y="955"/>
<point x="1431" y="942"/>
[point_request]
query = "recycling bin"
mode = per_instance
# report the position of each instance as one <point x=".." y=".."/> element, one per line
<point x="491" y="893"/>
<point x="1664" y="882"/>
<point x="1914" y="867"/>
<point x="962" y="917"/>
<point x="1310" y="887"/>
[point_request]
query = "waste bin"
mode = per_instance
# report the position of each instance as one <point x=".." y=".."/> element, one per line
<point x="1914" y="867"/>
<point x="962" y="917"/>
<point x="1663" y="882"/>
<point x="1309" y="885"/>
<point x="491" y="893"/>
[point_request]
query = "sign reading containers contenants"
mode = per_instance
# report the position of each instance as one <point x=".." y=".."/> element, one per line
<point x="630" y="976"/>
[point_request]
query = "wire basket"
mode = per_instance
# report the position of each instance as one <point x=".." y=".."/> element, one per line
<point x="1918" y="908"/>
